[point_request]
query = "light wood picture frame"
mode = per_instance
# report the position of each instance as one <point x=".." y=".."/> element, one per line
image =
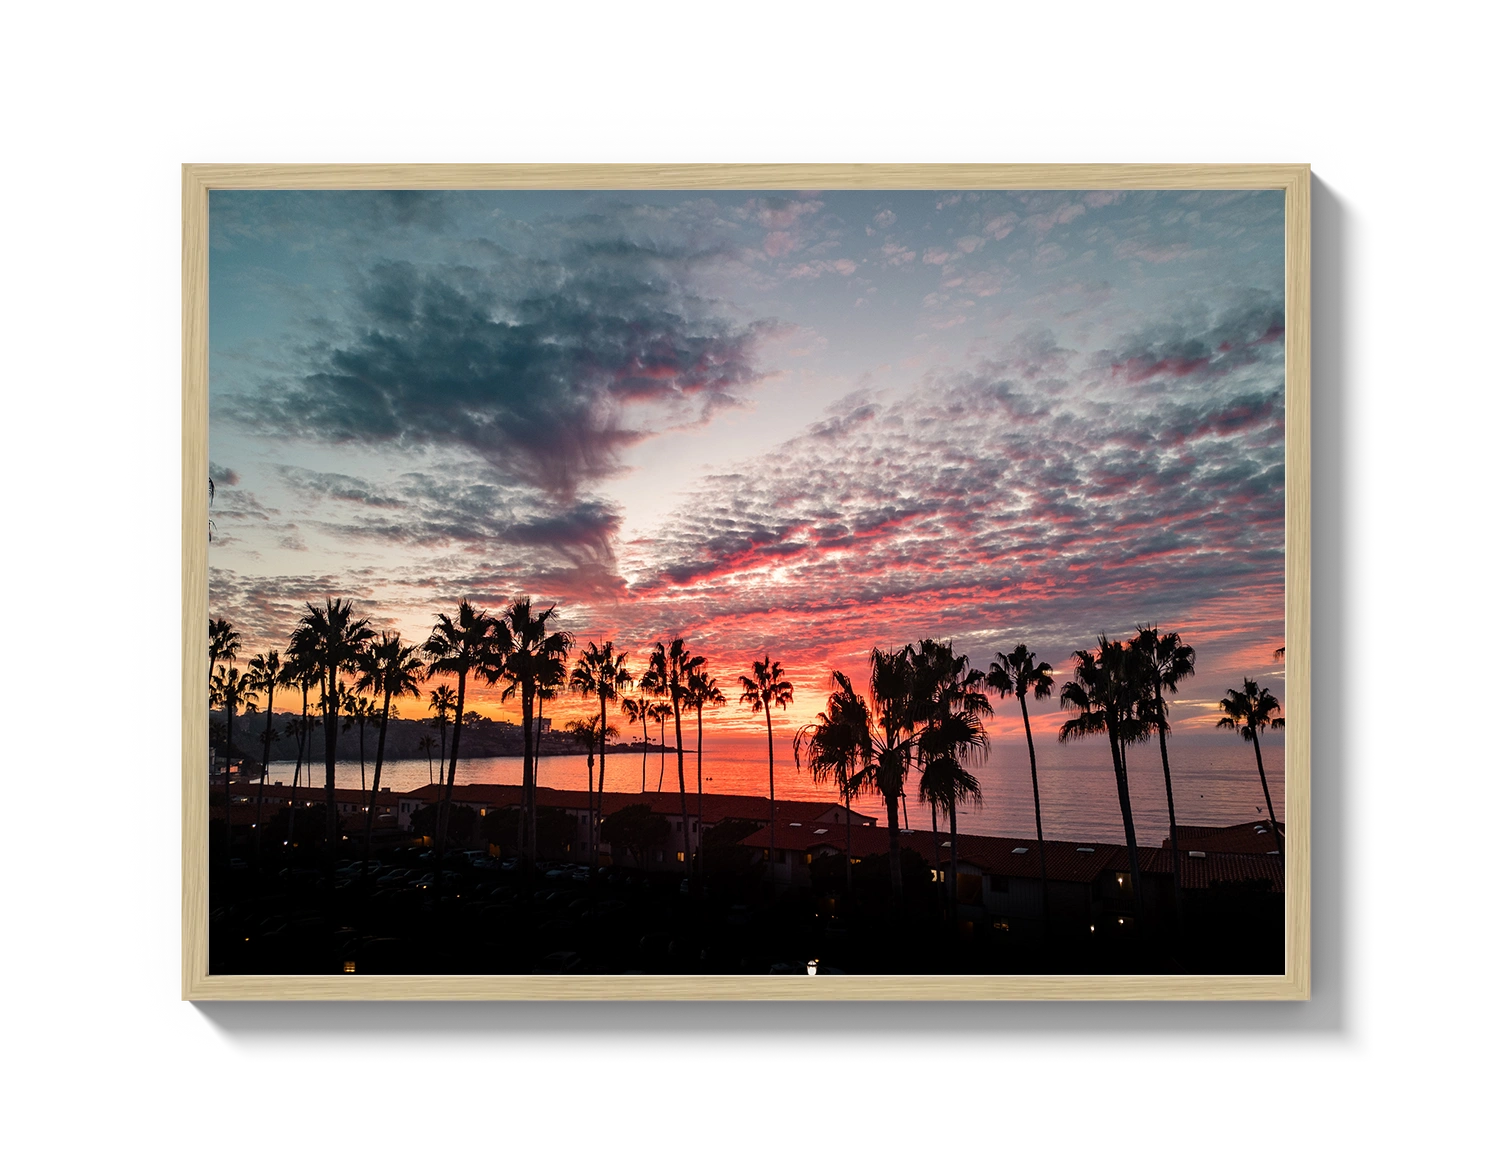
<point x="201" y="180"/>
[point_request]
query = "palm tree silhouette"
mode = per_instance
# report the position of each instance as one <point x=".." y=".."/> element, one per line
<point x="1019" y="673"/>
<point x="1250" y="711"/>
<point x="838" y="748"/>
<point x="230" y="690"/>
<point x="334" y="636"/>
<point x="266" y="673"/>
<point x="426" y="744"/>
<point x="702" y="691"/>
<point x="357" y="712"/>
<point x="1106" y="690"/>
<point x="767" y="686"/>
<point x="602" y="673"/>
<point x="441" y="701"/>
<point x="534" y="658"/>
<point x="894" y="712"/>
<point x="301" y="672"/>
<point x="669" y="673"/>
<point x="473" y="642"/>
<point x="954" y="706"/>
<point x="223" y="646"/>
<point x="389" y="669"/>
<point x="639" y="711"/>
<point x="1165" y="660"/>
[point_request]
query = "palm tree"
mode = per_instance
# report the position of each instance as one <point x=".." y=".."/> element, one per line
<point x="301" y="672"/>
<point x="702" y="691"/>
<point x="335" y="636"/>
<point x="953" y="705"/>
<point x="426" y="744"/>
<point x="1250" y="711"/>
<point x="1106" y="690"/>
<point x="838" y="748"/>
<point x="1019" y="673"/>
<point x="389" y="669"/>
<point x="669" y="674"/>
<point x="266" y="673"/>
<point x="441" y="702"/>
<point x="357" y="712"/>
<point x="223" y="646"/>
<point x="602" y="673"/>
<point x="531" y="659"/>
<point x="1165" y="660"/>
<point x="639" y="711"/>
<point x="894" y="712"/>
<point x="230" y="690"/>
<point x="767" y="686"/>
<point x="469" y="644"/>
<point x="659" y="711"/>
<point x="552" y="677"/>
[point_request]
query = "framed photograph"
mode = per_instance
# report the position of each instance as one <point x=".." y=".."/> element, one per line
<point x="746" y="582"/>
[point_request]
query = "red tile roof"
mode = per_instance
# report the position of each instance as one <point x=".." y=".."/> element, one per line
<point x="1250" y="837"/>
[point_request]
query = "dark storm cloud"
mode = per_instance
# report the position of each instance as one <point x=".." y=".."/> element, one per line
<point x="547" y="378"/>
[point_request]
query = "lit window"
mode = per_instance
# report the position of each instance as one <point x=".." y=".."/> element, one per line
<point x="680" y="856"/>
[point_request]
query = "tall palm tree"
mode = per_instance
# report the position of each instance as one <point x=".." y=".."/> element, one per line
<point x="223" y="646"/>
<point x="389" y="669"/>
<point x="702" y="691"/>
<point x="1250" y="711"/>
<point x="602" y="673"/>
<point x="669" y="674"/>
<point x="1165" y="660"/>
<point x="551" y="679"/>
<point x="302" y="673"/>
<point x="639" y="711"/>
<point x="838" y="748"/>
<point x="1106" y="690"/>
<point x="659" y="711"/>
<point x="530" y="660"/>
<point x="894" y="713"/>
<point x="473" y="642"/>
<point x="425" y="744"/>
<point x="358" y="711"/>
<point x="952" y="706"/>
<point x="230" y="690"/>
<point x="1019" y="673"/>
<point x="335" y="636"/>
<point x="266" y="673"/>
<point x="441" y="701"/>
<point x="767" y="686"/>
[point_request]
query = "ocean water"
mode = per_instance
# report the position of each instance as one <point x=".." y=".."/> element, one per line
<point x="1214" y="782"/>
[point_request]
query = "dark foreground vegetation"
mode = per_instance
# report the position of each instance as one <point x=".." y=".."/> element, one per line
<point x="476" y="915"/>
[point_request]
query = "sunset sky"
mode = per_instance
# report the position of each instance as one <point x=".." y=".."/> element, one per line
<point x="799" y="424"/>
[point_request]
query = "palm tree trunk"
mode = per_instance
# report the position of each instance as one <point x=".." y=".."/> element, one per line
<point x="228" y="764"/>
<point x="1266" y="788"/>
<point x="330" y="747"/>
<point x="303" y="737"/>
<point x="687" y="845"/>
<point x="385" y="718"/>
<point x="892" y="804"/>
<point x="937" y="851"/>
<point x="645" y="748"/>
<point x="848" y="848"/>
<point x="442" y="817"/>
<point x="588" y="836"/>
<point x="265" y="765"/>
<point x="661" y="771"/>
<point x="771" y="777"/>
<point x="698" y="846"/>
<point x="528" y="842"/>
<point x="1036" y="800"/>
<point x="1122" y="790"/>
<point x="361" y="755"/>
<point x="603" y="751"/>
<point x="1166" y="773"/>
<point x="953" y="858"/>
